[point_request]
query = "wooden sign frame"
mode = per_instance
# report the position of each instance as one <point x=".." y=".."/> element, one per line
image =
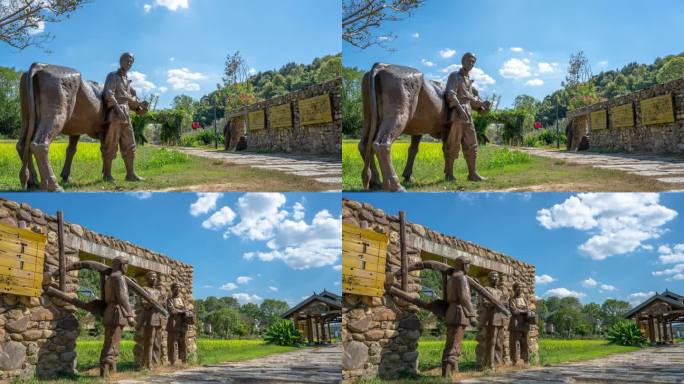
<point x="364" y="255"/>
<point x="315" y="110"/>
<point x="280" y="116"/>
<point x="657" y="110"/>
<point x="257" y="120"/>
<point x="22" y="258"/>
<point x="599" y="120"/>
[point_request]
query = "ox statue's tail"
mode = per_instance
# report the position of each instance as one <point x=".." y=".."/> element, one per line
<point x="28" y="101"/>
<point x="371" y="129"/>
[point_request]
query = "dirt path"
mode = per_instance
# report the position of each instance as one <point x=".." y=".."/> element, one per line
<point x="320" y="365"/>
<point x="323" y="169"/>
<point x="649" y="365"/>
<point x="669" y="170"/>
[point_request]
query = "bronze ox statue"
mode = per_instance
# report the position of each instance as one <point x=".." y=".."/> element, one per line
<point x="56" y="100"/>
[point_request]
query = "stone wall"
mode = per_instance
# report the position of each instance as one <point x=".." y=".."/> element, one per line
<point x="314" y="139"/>
<point x="658" y="138"/>
<point x="380" y="334"/>
<point x="38" y="334"/>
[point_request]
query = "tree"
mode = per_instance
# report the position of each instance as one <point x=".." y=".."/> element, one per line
<point x="272" y="311"/>
<point x="21" y="19"/>
<point x="252" y="315"/>
<point x="566" y="316"/>
<point x="526" y="103"/>
<point x="227" y="323"/>
<point x="185" y="103"/>
<point x="10" y="108"/>
<point x="235" y="70"/>
<point x="673" y="69"/>
<point x="592" y="315"/>
<point x="352" y="105"/>
<point x="362" y="18"/>
<point x="613" y="311"/>
<point x="579" y="70"/>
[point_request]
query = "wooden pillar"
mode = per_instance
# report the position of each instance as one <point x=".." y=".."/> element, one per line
<point x="671" y="334"/>
<point x="404" y="257"/>
<point x="62" y="255"/>
<point x="309" y="329"/>
<point x="651" y="330"/>
<point x="330" y="333"/>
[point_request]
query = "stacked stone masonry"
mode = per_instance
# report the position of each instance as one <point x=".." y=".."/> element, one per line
<point x="658" y="138"/>
<point x="38" y="334"/>
<point x="305" y="139"/>
<point x="380" y="334"/>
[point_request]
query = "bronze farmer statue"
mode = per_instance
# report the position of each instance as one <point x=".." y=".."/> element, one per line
<point x="151" y="322"/>
<point x="400" y="100"/>
<point x="177" y="327"/>
<point x="120" y="98"/>
<point x="519" y="327"/>
<point x="462" y="98"/>
<point x="117" y="315"/>
<point x="459" y="315"/>
<point x="492" y="323"/>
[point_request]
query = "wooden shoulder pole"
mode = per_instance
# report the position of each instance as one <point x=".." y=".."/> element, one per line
<point x="404" y="257"/>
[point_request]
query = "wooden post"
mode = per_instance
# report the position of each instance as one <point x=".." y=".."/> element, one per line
<point x="404" y="257"/>
<point x="62" y="256"/>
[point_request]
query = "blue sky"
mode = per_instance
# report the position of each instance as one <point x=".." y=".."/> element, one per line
<point x="518" y="42"/>
<point x="190" y="38"/>
<point x="284" y="246"/>
<point x="592" y="246"/>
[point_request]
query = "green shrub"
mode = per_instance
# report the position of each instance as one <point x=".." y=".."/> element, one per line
<point x="544" y="137"/>
<point x="626" y="333"/>
<point x="283" y="333"/>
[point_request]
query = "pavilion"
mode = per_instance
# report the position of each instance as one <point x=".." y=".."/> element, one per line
<point x="315" y="314"/>
<point x="656" y="315"/>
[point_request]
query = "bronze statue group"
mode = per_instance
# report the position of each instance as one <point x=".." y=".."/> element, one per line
<point x="458" y="312"/>
<point x="118" y="314"/>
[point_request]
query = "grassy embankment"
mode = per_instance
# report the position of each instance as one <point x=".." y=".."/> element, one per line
<point x="209" y="351"/>
<point x="551" y="351"/>
<point x="506" y="170"/>
<point x="162" y="168"/>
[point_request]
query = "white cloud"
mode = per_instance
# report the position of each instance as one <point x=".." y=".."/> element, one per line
<point x="298" y="211"/>
<point x="603" y="63"/>
<point x="184" y="79"/>
<point x="139" y="81"/>
<point x="245" y="298"/>
<point x="39" y="28"/>
<point x="219" y="219"/>
<point x="337" y="267"/>
<point x="544" y="279"/>
<point x="647" y="247"/>
<point x="563" y="292"/>
<point x="534" y="82"/>
<point x="427" y="63"/>
<point x="447" y="53"/>
<point x="671" y="255"/>
<point x="243" y="279"/>
<point x="172" y="5"/>
<point x="147" y="7"/>
<point x="618" y="222"/>
<point x="259" y="214"/>
<point x="608" y="287"/>
<point x="228" y="286"/>
<point x="162" y="89"/>
<point x="205" y="203"/>
<point x="515" y="69"/>
<point x="416" y="35"/>
<point x="543" y="67"/>
<point x="589" y="283"/>
<point x="516" y="49"/>
<point x="172" y="59"/>
<point x="671" y="272"/>
<point x="252" y="71"/>
<point x="140" y="195"/>
<point x="637" y="298"/>
<point x="384" y="38"/>
<point x="273" y="289"/>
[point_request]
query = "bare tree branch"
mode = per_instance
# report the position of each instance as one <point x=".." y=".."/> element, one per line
<point x="21" y="21"/>
<point x="361" y="19"/>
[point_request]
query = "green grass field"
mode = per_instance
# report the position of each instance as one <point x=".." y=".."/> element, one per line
<point x="209" y="351"/>
<point x="551" y="351"/>
<point x="163" y="169"/>
<point x="506" y="170"/>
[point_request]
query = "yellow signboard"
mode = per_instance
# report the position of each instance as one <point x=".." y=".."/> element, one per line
<point x="363" y="261"/>
<point x="281" y="116"/>
<point x="599" y="119"/>
<point x="22" y="255"/>
<point x="657" y="110"/>
<point x="315" y="110"/>
<point x="622" y="116"/>
<point x="256" y="120"/>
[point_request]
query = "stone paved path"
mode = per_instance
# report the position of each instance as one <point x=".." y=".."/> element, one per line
<point x="320" y="365"/>
<point x="649" y="365"/>
<point x="323" y="169"/>
<point x="665" y="169"/>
